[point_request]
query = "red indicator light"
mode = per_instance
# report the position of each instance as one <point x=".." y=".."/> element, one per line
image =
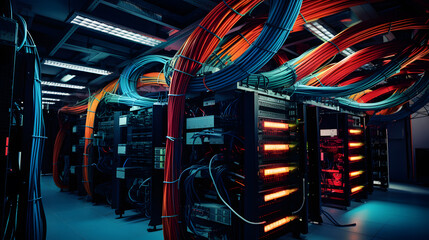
<point x="355" y="158"/>
<point x="356" y="173"/>
<point x="355" y="144"/>
<point x="276" y="125"/>
<point x="355" y="131"/>
<point x="279" y="194"/>
<point x="277" y="171"/>
<point x="278" y="223"/>
<point x="356" y="189"/>
<point x="276" y="147"/>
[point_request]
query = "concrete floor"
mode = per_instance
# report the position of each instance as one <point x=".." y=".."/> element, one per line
<point x="400" y="213"/>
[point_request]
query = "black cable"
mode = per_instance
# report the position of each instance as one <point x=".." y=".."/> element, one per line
<point x="333" y="221"/>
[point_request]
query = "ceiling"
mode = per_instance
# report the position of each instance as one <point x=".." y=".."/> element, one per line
<point x="170" y="20"/>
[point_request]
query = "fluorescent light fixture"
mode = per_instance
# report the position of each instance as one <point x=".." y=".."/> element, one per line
<point x="75" y="67"/>
<point x="50" y="99"/>
<point x="63" y="85"/>
<point x="115" y="30"/>
<point x="325" y="35"/>
<point x="48" y="103"/>
<point x="67" y="78"/>
<point x="56" y="93"/>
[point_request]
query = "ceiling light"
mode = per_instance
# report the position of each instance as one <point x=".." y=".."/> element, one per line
<point x="75" y="67"/>
<point x="325" y="35"/>
<point x="48" y="103"/>
<point x="51" y="99"/>
<point x="67" y="78"/>
<point x="115" y="30"/>
<point x="56" y="93"/>
<point x="63" y="85"/>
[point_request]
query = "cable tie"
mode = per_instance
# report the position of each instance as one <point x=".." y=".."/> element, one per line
<point x="38" y="80"/>
<point x="183" y="72"/>
<point x="85" y="154"/>
<point x="212" y="33"/>
<point x="264" y="49"/>
<point x="91" y="111"/>
<point x="244" y="38"/>
<point x="173" y="138"/>
<point x="35" y="199"/>
<point x="36" y="136"/>
<point x="88" y="138"/>
<point x="335" y="45"/>
<point x="85" y="165"/>
<point x="319" y="81"/>
<point x="190" y="59"/>
<point x="232" y="9"/>
<point x="390" y="28"/>
<point x="275" y="26"/>
<point x="89" y="127"/>
<point x="170" y="216"/>
<point x="176" y="95"/>
<point x="303" y="18"/>
<point x="85" y="181"/>
<point x="96" y="99"/>
<point x="204" y="82"/>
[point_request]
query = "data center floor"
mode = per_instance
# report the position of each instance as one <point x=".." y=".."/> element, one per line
<point x="400" y="213"/>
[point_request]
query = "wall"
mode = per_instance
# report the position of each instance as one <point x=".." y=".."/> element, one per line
<point x="400" y="164"/>
<point x="420" y="137"/>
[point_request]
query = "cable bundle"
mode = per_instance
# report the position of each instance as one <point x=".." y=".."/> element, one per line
<point x="342" y="69"/>
<point x="407" y="56"/>
<point x="36" y="220"/>
<point x="186" y="64"/>
<point x="405" y="111"/>
<point x="352" y="36"/>
<point x="400" y="97"/>
<point x="234" y="46"/>
<point x="132" y="76"/>
<point x="275" y="32"/>
<point x="89" y="127"/>
<point x="79" y="108"/>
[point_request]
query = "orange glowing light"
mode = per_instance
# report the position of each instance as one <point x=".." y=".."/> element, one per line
<point x="276" y="125"/>
<point x="358" y="188"/>
<point x="279" y="194"/>
<point x="355" y="131"/>
<point x="356" y="173"/>
<point x="279" y="170"/>
<point x="276" y="147"/>
<point x="355" y="144"/>
<point x="355" y="158"/>
<point x="278" y="223"/>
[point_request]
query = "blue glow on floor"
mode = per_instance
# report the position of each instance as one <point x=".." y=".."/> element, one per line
<point x="401" y="213"/>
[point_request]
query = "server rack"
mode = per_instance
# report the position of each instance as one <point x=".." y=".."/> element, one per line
<point x="343" y="157"/>
<point x="263" y="178"/>
<point x="77" y="143"/>
<point x="378" y="154"/>
<point x="138" y="135"/>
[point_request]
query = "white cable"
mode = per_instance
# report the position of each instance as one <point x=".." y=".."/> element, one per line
<point x="232" y="210"/>
<point x="303" y="197"/>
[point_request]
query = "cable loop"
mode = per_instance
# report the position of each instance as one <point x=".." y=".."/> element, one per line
<point x="204" y="82"/>
<point x="173" y="138"/>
